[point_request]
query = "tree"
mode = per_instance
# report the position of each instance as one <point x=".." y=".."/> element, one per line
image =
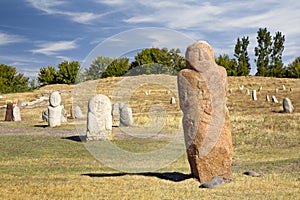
<point x="118" y="67"/>
<point x="262" y="52"/>
<point x="97" y="67"/>
<point x="159" y="57"/>
<point x="241" y="54"/>
<point x="47" y="76"/>
<point x="293" y="69"/>
<point x="229" y="64"/>
<point x="68" y="72"/>
<point x="276" y="68"/>
<point x="11" y="81"/>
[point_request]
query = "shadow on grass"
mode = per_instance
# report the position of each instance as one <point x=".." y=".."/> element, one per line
<point x="76" y="138"/>
<point x="41" y="125"/>
<point x="170" y="176"/>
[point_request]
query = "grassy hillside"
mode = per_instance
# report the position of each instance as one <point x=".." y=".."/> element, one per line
<point x="38" y="162"/>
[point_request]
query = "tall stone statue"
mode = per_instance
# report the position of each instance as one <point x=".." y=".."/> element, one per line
<point x="54" y="110"/>
<point x="99" y="118"/>
<point x="202" y="93"/>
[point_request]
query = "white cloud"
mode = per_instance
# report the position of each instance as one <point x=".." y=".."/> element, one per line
<point x="9" y="39"/>
<point x="51" y="48"/>
<point x="51" y="7"/>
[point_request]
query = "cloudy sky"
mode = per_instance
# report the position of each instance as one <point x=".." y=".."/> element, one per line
<point x="39" y="33"/>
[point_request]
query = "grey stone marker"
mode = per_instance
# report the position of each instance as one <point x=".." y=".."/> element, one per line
<point x="274" y="99"/>
<point x="126" y="118"/>
<point x="291" y="89"/>
<point x="54" y="110"/>
<point x="99" y="118"/>
<point x="276" y="90"/>
<point x="230" y="91"/>
<point x="247" y="92"/>
<point x="287" y="105"/>
<point x="260" y="88"/>
<point x="267" y="98"/>
<point x="283" y="87"/>
<point x="16" y="114"/>
<point x="64" y="117"/>
<point x="168" y="92"/>
<point x="254" y="97"/>
<point x="241" y="87"/>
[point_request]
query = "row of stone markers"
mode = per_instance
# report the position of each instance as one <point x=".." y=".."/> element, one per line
<point x="13" y="113"/>
<point x="286" y="103"/>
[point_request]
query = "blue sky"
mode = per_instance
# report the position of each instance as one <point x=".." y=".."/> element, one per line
<point x="38" y="33"/>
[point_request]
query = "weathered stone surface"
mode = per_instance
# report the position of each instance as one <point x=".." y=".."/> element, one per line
<point x="55" y="99"/>
<point x="9" y="112"/>
<point x="126" y="118"/>
<point x="115" y="114"/>
<point x="54" y="116"/>
<point x="76" y="112"/>
<point x="287" y="105"/>
<point x="202" y="94"/>
<point x="99" y="118"/>
<point x="16" y="114"/>
<point x="214" y="182"/>
<point x="254" y="96"/>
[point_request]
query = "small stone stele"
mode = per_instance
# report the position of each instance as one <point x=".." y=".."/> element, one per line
<point x="126" y="118"/>
<point x="267" y="98"/>
<point x="254" y="97"/>
<point x="9" y="112"/>
<point x="99" y="118"/>
<point x="287" y="105"/>
<point x="274" y="99"/>
<point x="16" y="114"/>
<point x="45" y="115"/>
<point x="172" y="100"/>
<point x="54" y="110"/>
<point x="202" y="91"/>
<point x="247" y="92"/>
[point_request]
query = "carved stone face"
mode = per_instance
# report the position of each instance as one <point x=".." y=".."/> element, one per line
<point x="99" y="104"/>
<point x="55" y="99"/>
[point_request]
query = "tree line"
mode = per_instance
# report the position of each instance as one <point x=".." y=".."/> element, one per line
<point x="268" y="60"/>
<point x="268" y="57"/>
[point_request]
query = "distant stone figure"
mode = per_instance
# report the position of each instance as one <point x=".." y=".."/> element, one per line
<point x="76" y="112"/>
<point x="99" y="118"/>
<point x="9" y="112"/>
<point x="168" y="92"/>
<point x="247" y="92"/>
<point x="230" y="91"/>
<point x="116" y="114"/>
<point x="254" y="97"/>
<point x="283" y="87"/>
<point x="267" y="98"/>
<point x="19" y="103"/>
<point x="260" y="88"/>
<point x="274" y="99"/>
<point x="16" y="114"/>
<point x="276" y="90"/>
<point x="172" y="100"/>
<point x="287" y="105"/>
<point x="45" y="116"/>
<point x="202" y="93"/>
<point x="241" y="87"/>
<point x="54" y="110"/>
<point x="126" y="118"/>
<point x="64" y="115"/>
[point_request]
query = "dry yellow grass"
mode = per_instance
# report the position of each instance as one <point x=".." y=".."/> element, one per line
<point x="38" y="163"/>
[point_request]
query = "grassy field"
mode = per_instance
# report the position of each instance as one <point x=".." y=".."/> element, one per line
<point x="38" y="162"/>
